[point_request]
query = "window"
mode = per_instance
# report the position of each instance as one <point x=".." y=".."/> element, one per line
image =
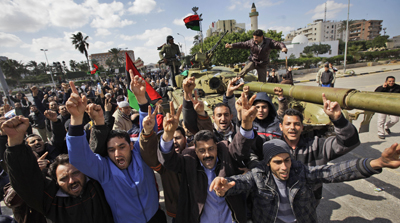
<point x="331" y="31"/>
<point x="315" y="28"/>
<point x="330" y="52"/>
<point x="327" y="27"/>
<point x="332" y="26"/>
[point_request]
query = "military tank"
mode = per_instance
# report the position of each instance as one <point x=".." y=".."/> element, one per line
<point x="212" y="81"/>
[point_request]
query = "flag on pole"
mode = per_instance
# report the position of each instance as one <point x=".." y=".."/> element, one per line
<point x="192" y="22"/>
<point x="151" y="94"/>
<point x="95" y="69"/>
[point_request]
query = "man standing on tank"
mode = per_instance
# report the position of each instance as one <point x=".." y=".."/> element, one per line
<point x="169" y="54"/>
<point x="260" y="48"/>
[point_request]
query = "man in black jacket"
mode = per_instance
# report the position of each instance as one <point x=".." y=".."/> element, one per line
<point x="384" y="126"/>
<point x="37" y="121"/>
<point x="69" y="196"/>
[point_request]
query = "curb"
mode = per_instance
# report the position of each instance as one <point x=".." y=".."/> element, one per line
<point x="349" y="75"/>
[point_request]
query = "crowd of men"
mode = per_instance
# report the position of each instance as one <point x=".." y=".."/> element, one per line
<point x="82" y="154"/>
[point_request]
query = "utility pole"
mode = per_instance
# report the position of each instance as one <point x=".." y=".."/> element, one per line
<point x="347" y="38"/>
<point x="51" y="72"/>
<point x="183" y="40"/>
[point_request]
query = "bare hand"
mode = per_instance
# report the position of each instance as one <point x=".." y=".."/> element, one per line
<point x="332" y="109"/>
<point x="284" y="50"/>
<point x="279" y="92"/>
<point x="35" y="91"/>
<point x="51" y="115"/>
<point x="2" y="120"/>
<point x="42" y="161"/>
<point x="385" y="85"/>
<point x="108" y="105"/>
<point x="220" y="185"/>
<point x="198" y="105"/>
<point x="149" y="121"/>
<point x="248" y="112"/>
<point x="231" y="86"/>
<point x="227" y="45"/>
<point x="188" y="86"/>
<point x="76" y="105"/>
<point x="95" y="113"/>
<point x="171" y="122"/>
<point x="246" y="90"/>
<point x="390" y="158"/>
<point x="15" y="128"/>
<point x="158" y="107"/>
<point x="138" y="87"/>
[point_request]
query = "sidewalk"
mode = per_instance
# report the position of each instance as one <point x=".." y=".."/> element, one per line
<point x="358" y="71"/>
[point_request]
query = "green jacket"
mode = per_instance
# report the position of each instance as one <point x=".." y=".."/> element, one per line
<point x="169" y="51"/>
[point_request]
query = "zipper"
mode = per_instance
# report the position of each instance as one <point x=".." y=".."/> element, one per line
<point x="291" y="204"/>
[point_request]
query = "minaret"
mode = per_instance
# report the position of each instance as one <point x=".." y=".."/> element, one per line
<point x="253" y="17"/>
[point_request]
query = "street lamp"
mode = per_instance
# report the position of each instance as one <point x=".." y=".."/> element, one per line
<point x="183" y="40"/>
<point x="347" y="37"/>
<point x="51" y="72"/>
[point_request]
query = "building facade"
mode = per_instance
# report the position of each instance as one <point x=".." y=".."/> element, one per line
<point x="319" y="31"/>
<point x="101" y="58"/>
<point x="222" y="26"/>
<point x="365" y="29"/>
<point x="394" y="42"/>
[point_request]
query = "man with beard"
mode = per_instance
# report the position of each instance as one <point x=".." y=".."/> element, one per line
<point x="384" y="126"/>
<point x="281" y="186"/>
<point x="123" y="116"/>
<point x="315" y="151"/>
<point x="67" y="197"/>
<point x="194" y="114"/>
<point x="260" y="48"/>
<point x="170" y="179"/>
<point x="129" y="184"/>
<point x="200" y="165"/>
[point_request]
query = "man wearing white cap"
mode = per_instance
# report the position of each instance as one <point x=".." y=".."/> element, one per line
<point x="123" y="116"/>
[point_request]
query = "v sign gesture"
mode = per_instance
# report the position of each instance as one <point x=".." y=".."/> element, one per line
<point x="171" y="122"/>
<point x="149" y="121"/>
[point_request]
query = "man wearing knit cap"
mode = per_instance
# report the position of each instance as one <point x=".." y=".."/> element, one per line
<point x="286" y="195"/>
<point x="123" y="116"/>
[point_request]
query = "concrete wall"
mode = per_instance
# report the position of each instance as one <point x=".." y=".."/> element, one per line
<point x="340" y="67"/>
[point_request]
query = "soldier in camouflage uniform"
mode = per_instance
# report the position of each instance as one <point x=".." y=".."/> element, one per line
<point x="169" y="54"/>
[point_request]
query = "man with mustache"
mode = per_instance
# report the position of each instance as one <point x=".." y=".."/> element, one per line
<point x="200" y="165"/>
<point x="260" y="48"/>
<point x="128" y="183"/>
<point x="194" y="116"/>
<point x="68" y="196"/>
<point x="282" y="186"/>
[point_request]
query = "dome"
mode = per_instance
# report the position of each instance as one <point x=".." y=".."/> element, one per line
<point x="299" y="39"/>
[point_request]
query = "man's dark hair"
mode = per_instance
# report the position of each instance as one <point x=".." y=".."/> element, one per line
<point x="120" y="134"/>
<point x="59" y="160"/>
<point x="204" y="135"/>
<point x="387" y="78"/>
<point x="258" y="32"/>
<point x="221" y="105"/>
<point x="292" y="112"/>
<point x="31" y="135"/>
<point x="181" y="130"/>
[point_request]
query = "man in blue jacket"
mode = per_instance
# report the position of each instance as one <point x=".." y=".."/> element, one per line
<point x="128" y="183"/>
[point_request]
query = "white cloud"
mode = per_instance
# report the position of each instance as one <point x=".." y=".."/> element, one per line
<point x="142" y="6"/>
<point x="68" y="14"/>
<point x="147" y="54"/>
<point x="102" y="32"/>
<point x="110" y="22"/>
<point x="9" y="40"/>
<point x="284" y="29"/>
<point x="180" y="22"/>
<point x="246" y="4"/>
<point x="154" y="37"/>
<point x="18" y="56"/>
<point x="333" y="9"/>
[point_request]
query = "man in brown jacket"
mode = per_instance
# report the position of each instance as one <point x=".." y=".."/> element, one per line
<point x="200" y="165"/>
<point x="260" y="48"/>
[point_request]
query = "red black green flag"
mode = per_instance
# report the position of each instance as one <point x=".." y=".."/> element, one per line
<point x="192" y="22"/>
<point x="151" y="94"/>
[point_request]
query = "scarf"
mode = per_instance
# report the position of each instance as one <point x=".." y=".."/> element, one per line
<point x="227" y="133"/>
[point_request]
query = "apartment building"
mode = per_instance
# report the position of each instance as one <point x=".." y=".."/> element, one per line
<point x="365" y="29"/>
<point x="222" y="26"/>
<point x="101" y="58"/>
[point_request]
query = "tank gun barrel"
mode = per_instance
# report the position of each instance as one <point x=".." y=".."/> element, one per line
<point x="347" y="98"/>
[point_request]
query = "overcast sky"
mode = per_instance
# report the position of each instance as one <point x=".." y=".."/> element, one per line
<point x="26" y="26"/>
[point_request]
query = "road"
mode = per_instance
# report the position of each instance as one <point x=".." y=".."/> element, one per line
<point x="358" y="201"/>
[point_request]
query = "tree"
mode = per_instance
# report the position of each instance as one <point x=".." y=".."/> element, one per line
<point x="317" y="49"/>
<point x="379" y="41"/>
<point x="73" y="64"/>
<point x="82" y="66"/>
<point x="292" y="56"/>
<point x="13" y="69"/>
<point x="115" y="56"/>
<point x="81" y="44"/>
<point x="109" y="63"/>
<point x="354" y="51"/>
<point x="343" y="27"/>
<point x="197" y="39"/>
<point x="33" y="64"/>
<point x="233" y="56"/>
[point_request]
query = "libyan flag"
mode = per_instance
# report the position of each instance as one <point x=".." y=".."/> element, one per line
<point x="192" y="22"/>
<point x="151" y="94"/>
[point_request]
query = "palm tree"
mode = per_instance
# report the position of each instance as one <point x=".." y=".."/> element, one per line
<point x="33" y="65"/>
<point x="12" y="69"/>
<point x="82" y="66"/>
<point x="80" y="43"/>
<point x="73" y="64"/>
<point x="109" y="63"/>
<point x="115" y="56"/>
<point x="343" y="26"/>
<point x="42" y="67"/>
